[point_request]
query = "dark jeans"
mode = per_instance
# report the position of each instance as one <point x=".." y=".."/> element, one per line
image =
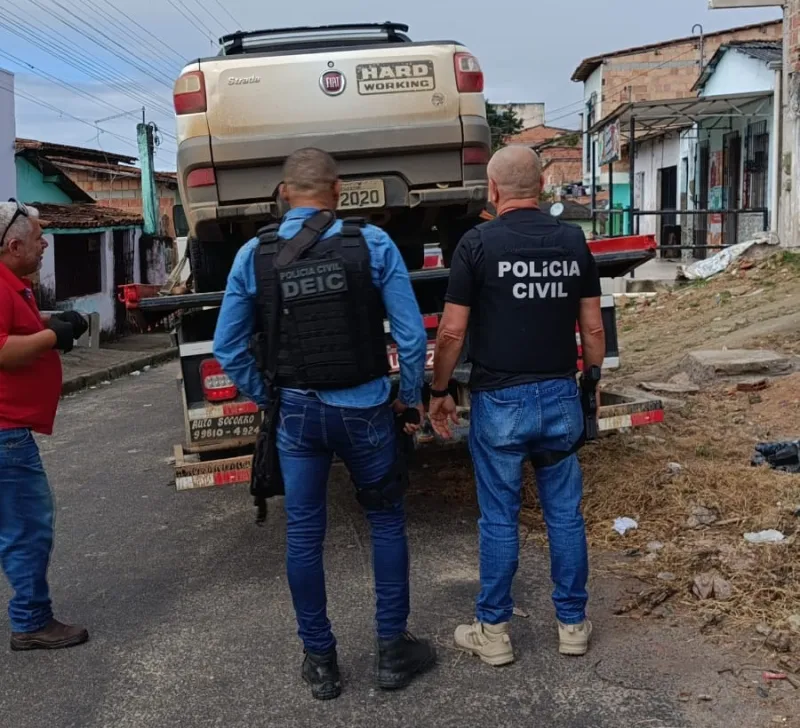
<point x="309" y="434"/>
<point x="26" y="529"/>
<point x="507" y="425"/>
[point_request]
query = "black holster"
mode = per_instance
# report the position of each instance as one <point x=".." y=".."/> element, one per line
<point x="589" y="382"/>
<point x="387" y="493"/>
<point x="266" y="480"/>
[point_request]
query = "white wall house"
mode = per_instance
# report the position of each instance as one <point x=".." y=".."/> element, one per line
<point x="8" y="134"/>
<point x="722" y="162"/>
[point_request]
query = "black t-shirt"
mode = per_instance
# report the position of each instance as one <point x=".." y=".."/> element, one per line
<point x="526" y="330"/>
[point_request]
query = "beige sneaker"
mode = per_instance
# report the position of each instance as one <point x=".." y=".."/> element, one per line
<point x="490" y="642"/>
<point x="574" y="639"/>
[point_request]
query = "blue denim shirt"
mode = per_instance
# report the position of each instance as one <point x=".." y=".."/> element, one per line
<point x="238" y="315"/>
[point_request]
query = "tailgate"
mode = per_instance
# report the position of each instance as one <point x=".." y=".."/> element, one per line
<point x="616" y="257"/>
<point x="344" y="90"/>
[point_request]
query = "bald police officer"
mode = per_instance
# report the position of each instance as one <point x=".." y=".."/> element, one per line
<point x="518" y="284"/>
<point x="332" y="279"/>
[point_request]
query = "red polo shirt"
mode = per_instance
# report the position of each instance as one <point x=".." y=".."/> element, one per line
<point x="28" y="396"/>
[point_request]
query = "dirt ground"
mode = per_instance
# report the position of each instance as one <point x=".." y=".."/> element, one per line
<point x="689" y="482"/>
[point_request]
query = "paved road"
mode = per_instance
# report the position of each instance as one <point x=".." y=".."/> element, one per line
<point x="192" y="624"/>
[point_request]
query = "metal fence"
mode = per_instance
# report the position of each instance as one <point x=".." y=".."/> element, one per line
<point x="708" y="230"/>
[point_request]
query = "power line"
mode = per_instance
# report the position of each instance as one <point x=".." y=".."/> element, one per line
<point x="186" y="13"/>
<point x="159" y="41"/>
<point x="83" y="62"/>
<point x="228" y="13"/>
<point x="115" y="26"/>
<point x="69" y="86"/>
<point x="96" y="41"/>
<point x="211" y="15"/>
<point x="61" y="112"/>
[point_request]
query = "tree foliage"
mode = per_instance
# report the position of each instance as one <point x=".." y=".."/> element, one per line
<point x="503" y="124"/>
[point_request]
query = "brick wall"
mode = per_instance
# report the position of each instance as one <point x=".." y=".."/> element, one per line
<point x="563" y="166"/>
<point x="669" y="72"/>
<point x="792" y="35"/>
<point x="125" y="193"/>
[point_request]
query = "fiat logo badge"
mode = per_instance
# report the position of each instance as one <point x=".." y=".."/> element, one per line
<point x="332" y="82"/>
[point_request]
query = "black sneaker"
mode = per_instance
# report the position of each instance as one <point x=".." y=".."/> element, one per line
<point x="400" y="660"/>
<point x="321" y="672"/>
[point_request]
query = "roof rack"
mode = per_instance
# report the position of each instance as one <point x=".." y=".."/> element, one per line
<point x="392" y="32"/>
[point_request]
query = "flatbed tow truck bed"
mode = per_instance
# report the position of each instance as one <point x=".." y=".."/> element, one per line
<point x="221" y="425"/>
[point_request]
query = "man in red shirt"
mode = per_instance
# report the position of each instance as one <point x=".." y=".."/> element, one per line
<point x="30" y="387"/>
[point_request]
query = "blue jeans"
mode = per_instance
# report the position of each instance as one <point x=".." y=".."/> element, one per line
<point x="309" y="434"/>
<point x="26" y="529"/>
<point x="507" y="426"/>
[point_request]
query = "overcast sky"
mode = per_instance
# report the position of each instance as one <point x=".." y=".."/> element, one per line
<point x="528" y="49"/>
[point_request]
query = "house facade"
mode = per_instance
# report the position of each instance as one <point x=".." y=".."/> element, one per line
<point x="108" y="179"/>
<point x="666" y="70"/>
<point x="92" y="248"/>
<point x="560" y="152"/>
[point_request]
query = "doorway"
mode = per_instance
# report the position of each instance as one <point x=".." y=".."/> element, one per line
<point x="670" y="237"/>
<point x="123" y="274"/>
<point x="731" y="182"/>
<point x="700" y="251"/>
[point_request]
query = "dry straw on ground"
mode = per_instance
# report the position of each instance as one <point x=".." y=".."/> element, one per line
<point x="711" y="438"/>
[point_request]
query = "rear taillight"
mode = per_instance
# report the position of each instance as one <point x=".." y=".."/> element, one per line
<point x="476" y="155"/>
<point x="217" y="386"/>
<point x="469" y="77"/>
<point x="189" y="95"/>
<point x="202" y="177"/>
<point x="431" y="321"/>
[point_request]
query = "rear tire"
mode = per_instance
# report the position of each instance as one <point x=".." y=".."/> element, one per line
<point x="210" y="263"/>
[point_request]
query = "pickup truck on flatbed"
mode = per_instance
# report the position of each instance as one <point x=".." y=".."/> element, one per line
<point x="405" y="120"/>
<point x="221" y="425"/>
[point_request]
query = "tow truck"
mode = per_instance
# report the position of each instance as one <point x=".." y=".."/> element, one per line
<point x="221" y="424"/>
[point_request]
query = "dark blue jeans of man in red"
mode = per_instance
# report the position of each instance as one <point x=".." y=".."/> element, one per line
<point x="26" y="529"/>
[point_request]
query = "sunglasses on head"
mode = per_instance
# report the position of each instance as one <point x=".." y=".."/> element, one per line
<point x="21" y="211"/>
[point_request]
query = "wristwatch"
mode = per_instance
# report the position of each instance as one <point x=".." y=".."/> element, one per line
<point x="439" y="393"/>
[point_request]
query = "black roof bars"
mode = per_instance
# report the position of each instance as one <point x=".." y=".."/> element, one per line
<point x="233" y="42"/>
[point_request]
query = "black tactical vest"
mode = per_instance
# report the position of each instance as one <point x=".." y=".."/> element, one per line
<point x="331" y="314"/>
<point x="525" y="317"/>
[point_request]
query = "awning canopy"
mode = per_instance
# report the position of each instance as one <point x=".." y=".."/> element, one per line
<point x="653" y="118"/>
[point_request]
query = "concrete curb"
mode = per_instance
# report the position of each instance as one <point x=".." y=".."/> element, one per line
<point x="90" y="379"/>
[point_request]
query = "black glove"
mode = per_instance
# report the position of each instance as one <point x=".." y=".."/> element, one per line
<point x="79" y="324"/>
<point x="64" y="333"/>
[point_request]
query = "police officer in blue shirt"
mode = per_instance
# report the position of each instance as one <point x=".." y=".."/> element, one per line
<point x="335" y="278"/>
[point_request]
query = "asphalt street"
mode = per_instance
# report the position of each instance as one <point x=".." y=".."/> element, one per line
<point x="192" y="625"/>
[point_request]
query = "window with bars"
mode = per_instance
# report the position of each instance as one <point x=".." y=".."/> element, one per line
<point x="77" y="263"/>
<point x="756" y="165"/>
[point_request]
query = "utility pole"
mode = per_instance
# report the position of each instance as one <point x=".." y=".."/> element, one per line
<point x="150" y="210"/>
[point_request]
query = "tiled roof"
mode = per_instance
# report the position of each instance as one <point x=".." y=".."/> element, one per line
<point x="117" y="170"/>
<point x="760" y="50"/>
<point x="769" y="52"/>
<point x="64" y="150"/>
<point x="588" y="65"/>
<point x="85" y="216"/>
<point x="537" y="134"/>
